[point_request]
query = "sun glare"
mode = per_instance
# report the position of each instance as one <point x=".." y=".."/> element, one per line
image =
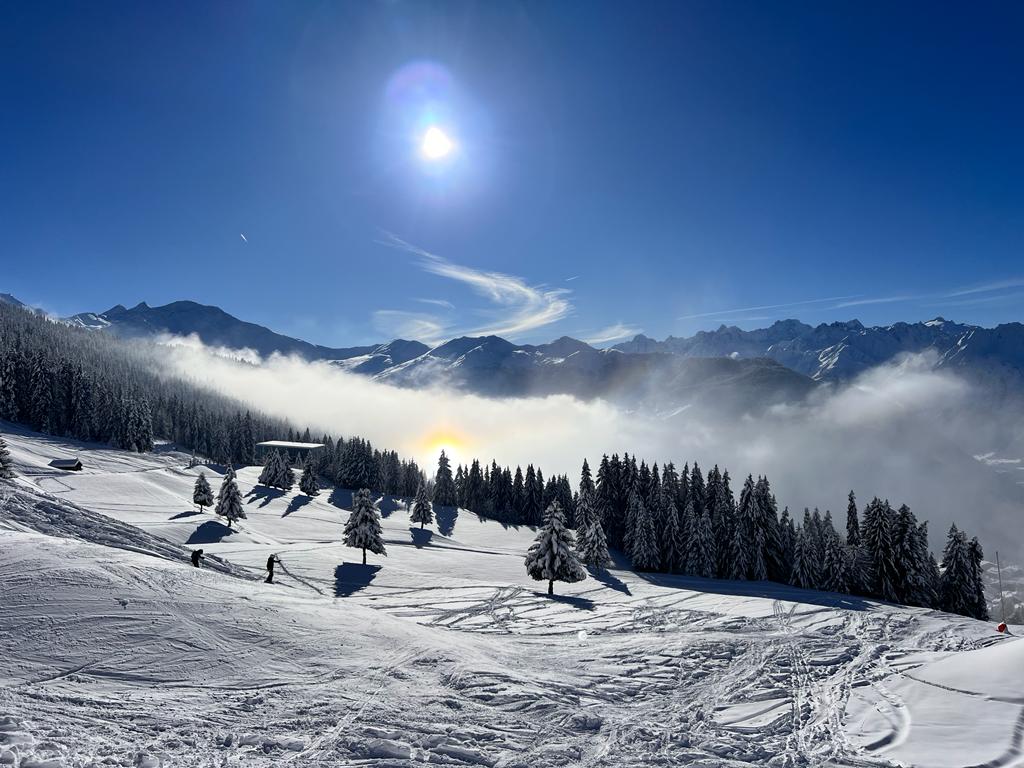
<point x="453" y="446"/>
<point x="435" y="144"/>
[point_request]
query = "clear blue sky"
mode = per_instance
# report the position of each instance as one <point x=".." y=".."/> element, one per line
<point x="683" y="161"/>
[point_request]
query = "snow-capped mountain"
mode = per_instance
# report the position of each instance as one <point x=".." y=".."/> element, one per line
<point x="493" y="366"/>
<point x="841" y="350"/>
<point x="216" y="327"/>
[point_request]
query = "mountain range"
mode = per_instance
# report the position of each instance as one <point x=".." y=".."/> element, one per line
<point x="780" y="363"/>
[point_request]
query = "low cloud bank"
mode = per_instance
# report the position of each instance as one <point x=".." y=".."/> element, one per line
<point x="904" y="431"/>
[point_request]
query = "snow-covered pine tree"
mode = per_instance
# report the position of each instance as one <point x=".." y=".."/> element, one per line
<point x="787" y="543"/>
<point x="6" y="465"/>
<point x="956" y="591"/>
<point x="286" y="476"/>
<point x="852" y="521"/>
<point x="804" y="573"/>
<point x="747" y="556"/>
<point x="724" y="523"/>
<point x="701" y="560"/>
<point x="592" y="544"/>
<point x="976" y="556"/>
<point x="877" y="535"/>
<point x="308" y="483"/>
<point x="229" y="499"/>
<point x="362" y="529"/>
<point x="834" y="571"/>
<point x="422" y="510"/>
<point x="631" y="521"/>
<point x="202" y="494"/>
<point x="586" y="481"/>
<point x="271" y="469"/>
<point x="644" y="552"/>
<point x="551" y="556"/>
<point x="444" y="483"/>
<point x="673" y="552"/>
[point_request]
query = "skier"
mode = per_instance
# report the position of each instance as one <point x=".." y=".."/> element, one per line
<point x="270" y="567"/>
<point x="197" y="556"/>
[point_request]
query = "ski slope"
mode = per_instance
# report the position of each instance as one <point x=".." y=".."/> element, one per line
<point x="115" y="651"/>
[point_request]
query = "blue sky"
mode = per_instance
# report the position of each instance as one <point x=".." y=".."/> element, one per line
<point x="662" y="167"/>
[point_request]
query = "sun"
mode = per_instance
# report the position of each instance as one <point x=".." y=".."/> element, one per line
<point x="436" y="144"/>
<point x="453" y="446"/>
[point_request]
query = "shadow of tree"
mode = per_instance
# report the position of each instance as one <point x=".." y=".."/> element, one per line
<point x="389" y="505"/>
<point x="421" y="537"/>
<point x="180" y="515"/>
<point x="264" y="495"/>
<point x="446" y="517"/>
<point x="297" y="503"/>
<point x="340" y="498"/>
<point x="349" y="578"/>
<point x="573" y="601"/>
<point x="606" y="577"/>
<point x="209" y="532"/>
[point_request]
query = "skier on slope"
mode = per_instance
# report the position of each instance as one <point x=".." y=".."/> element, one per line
<point x="270" y="567"/>
<point x="197" y="556"/>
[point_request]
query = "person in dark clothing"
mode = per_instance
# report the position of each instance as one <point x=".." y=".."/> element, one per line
<point x="197" y="556"/>
<point x="270" y="567"/>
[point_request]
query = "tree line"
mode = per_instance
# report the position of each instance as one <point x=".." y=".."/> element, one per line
<point x="692" y="523"/>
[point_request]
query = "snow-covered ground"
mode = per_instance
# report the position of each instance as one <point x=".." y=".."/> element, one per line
<point x="115" y="651"/>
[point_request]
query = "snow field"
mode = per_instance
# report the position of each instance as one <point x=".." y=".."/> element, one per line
<point x="443" y="652"/>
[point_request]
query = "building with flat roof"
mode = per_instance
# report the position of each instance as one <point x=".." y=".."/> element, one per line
<point x="294" y="449"/>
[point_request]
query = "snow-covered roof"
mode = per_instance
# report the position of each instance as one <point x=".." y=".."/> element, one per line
<point x="66" y="464"/>
<point x="289" y="444"/>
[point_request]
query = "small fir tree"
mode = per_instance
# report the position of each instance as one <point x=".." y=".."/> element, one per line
<point x="551" y="556"/>
<point x="6" y="465"/>
<point x="444" y="483"/>
<point x="229" y="499"/>
<point x="308" y="483"/>
<point x="362" y="530"/>
<point x="422" y="510"/>
<point x="202" y="494"/>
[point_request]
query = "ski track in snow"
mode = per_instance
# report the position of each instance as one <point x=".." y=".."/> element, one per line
<point x="446" y="655"/>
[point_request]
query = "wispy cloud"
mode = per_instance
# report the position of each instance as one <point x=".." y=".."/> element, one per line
<point x="741" y="310"/>
<point x="877" y="300"/>
<point x="438" y="303"/>
<point x="613" y="333"/>
<point x="999" y="285"/>
<point x="398" y="323"/>
<point x="570" y="279"/>
<point x="517" y="307"/>
<point x="244" y="238"/>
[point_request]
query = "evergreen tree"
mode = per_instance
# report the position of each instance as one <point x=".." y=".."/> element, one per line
<point x="6" y="465"/>
<point x="593" y="546"/>
<point x="673" y="546"/>
<point x="979" y="608"/>
<point x="551" y="556"/>
<point x="586" y="483"/>
<point x="422" y="510"/>
<point x="644" y="544"/>
<point x="852" y="522"/>
<point x="308" y="483"/>
<point x="533" y="497"/>
<point x="701" y="560"/>
<point x="834" y="571"/>
<point x="804" y="573"/>
<point x="444" y="483"/>
<point x="229" y="499"/>
<point x="877" y="533"/>
<point x="271" y="469"/>
<point x="362" y="529"/>
<point x="518" y="500"/>
<point x="957" y="584"/>
<point x="286" y="475"/>
<point x="202" y="494"/>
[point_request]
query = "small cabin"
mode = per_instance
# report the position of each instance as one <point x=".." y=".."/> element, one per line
<point x="68" y="465"/>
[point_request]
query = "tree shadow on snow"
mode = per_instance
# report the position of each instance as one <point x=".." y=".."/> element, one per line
<point x="190" y="513"/>
<point x="421" y="537"/>
<point x="209" y="532"/>
<point x="390" y="504"/>
<point x="610" y="580"/>
<point x="297" y="503"/>
<point x="349" y="578"/>
<point x="264" y="495"/>
<point x="573" y="601"/>
<point x="446" y="517"/>
<point x="341" y="498"/>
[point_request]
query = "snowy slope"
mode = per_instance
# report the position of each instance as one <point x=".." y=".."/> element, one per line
<point x="443" y="652"/>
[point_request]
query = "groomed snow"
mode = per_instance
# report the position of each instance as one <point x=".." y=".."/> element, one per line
<point x="115" y="651"/>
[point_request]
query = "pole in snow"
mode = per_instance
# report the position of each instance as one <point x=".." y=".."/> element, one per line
<point x="1002" y="603"/>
